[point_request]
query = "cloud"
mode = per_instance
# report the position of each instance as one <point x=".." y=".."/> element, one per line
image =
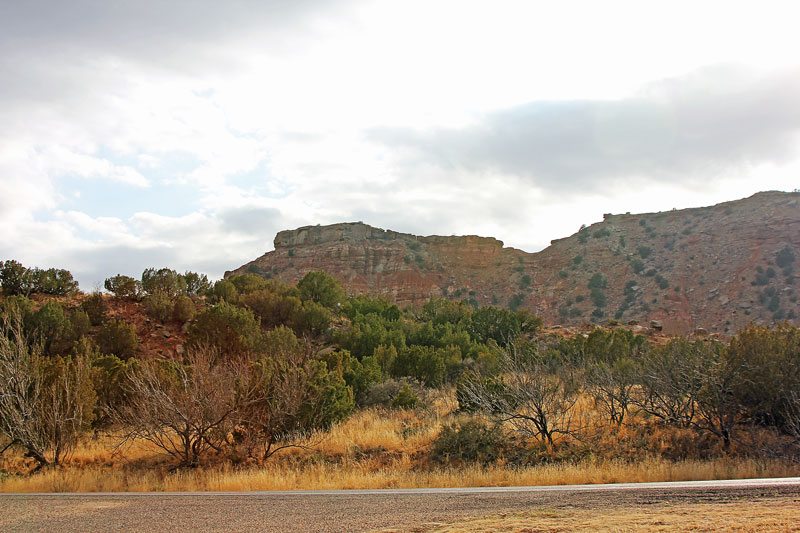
<point x="702" y="125"/>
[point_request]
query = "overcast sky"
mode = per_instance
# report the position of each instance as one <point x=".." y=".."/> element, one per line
<point x="187" y="133"/>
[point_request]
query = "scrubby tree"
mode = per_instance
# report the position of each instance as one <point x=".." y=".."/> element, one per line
<point x="123" y="287"/>
<point x="119" y="338"/>
<point x="322" y="289"/>
<point x="534" y="395"/>
<point x="45" y="403"/>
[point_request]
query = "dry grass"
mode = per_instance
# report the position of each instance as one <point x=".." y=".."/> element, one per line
<point x="383" y="449"/>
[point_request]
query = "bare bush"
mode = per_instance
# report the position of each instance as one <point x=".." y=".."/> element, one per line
<point x="45" y="403"/>
<point x="533" y="394"/>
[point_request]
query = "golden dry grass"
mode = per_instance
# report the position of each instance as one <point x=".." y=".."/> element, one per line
<point x="373" y="449"/>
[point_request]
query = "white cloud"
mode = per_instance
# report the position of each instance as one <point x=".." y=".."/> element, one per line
<point x="260" y="113"/>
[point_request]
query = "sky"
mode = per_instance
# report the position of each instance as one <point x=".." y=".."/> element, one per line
<point x="186" y="134"/>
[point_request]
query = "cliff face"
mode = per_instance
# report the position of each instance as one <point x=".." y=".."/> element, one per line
<point x="718" y="267"/>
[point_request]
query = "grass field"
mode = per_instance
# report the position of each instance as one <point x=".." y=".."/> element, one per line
<point x="372" y="449"/>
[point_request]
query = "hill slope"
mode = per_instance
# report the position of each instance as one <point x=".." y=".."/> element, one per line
<point x="717" y="267"/>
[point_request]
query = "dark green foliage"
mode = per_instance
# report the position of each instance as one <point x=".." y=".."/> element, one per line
<point x="424" y="363"/>
<point x="117" y="337"/>
<point x="224" y="291"/>
<point x="471" y="441"/>
<point x="163" y="280"/>
<point x="785" y="257"/>
<point x="381" y="306"/>
<point x="525" y="282"/>
<point x="95" y="308"/>
<point x="15" y="279"/>
<point x="159" y="306"/>
<point x="562" y="274"/>
<point x="516" y="301"/>
<point x="322" y="289"/>
<point x="196" y="284"/>
<point x="577" y="260"/>
<point x="598" y="297"/>
<point x="311" y="318"/>
<point x="247" y="283"/>
<point x="183" y="309"/>
<point x="406" y="398"/>
<point x="231" y="330"/>
<point x="603" y="232"/>
<point x="271" y="307"/>
<point x="662" y="282"/>
<point x="644" y="251"/>
<point x="637" y="265"/>
<point x="500" y="325"/>
<point x="123" y="287"/>
<point x="597" y="281"/>
<point x="18" y="280"/>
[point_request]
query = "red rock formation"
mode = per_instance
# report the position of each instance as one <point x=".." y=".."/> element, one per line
<point x="712" y="267"/>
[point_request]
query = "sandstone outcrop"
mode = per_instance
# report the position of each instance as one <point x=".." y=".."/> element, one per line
<point x="717" y="268"/>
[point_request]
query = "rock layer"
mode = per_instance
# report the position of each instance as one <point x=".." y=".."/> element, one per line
<point x="716" y="268"/>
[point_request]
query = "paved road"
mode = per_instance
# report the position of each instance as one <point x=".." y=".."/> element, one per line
<point x="350" y="510"/>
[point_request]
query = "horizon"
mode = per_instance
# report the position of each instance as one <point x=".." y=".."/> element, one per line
<point x="186" y="136"/>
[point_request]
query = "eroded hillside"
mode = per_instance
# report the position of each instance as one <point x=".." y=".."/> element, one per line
<point x="717" y="268"/>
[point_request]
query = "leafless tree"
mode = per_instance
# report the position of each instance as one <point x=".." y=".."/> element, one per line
<point x="534" y="396"/>
<point x="45" y="403"/>
<point x="612" y="385"/>
<point x="670" y="383"/>
<point x="185" y="409"/>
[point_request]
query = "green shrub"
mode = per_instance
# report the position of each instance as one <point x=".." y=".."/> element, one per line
<point x="597" y="281"/>
<point x="158" y="306"/>
<point x="598" y="297"/>
<point x="249" y="282"/>
<point x="471" y="441"/>
<point x="224" y="291"/>
<point x="637" y="265"/>
<point x="322" y="289"/>
<point x="95" y="308"/>
<point x="117" y="337"/>
<point x="644" y="251"/>
<point x="123" y="287"/>
<point x="196" y="284"/>
<point x="406" y="398"/>
<point x="163" y="280"/>
<point x="232" y="330"/>
<point x="183" y="309"/>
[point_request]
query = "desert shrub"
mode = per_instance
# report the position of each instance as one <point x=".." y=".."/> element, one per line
<point x="597" y="281"/>
<point x="312" y="318"/>
<point x="424" y="363"/>
<point x="644" y="251"/>
<point x="322" y="289"/>
<point x="95" y="308"/>
<point x="123" y="287"/>
<point x="637" y="265"/>
<point x="108" y="374"/>
<point x="785" y="257"/>
<point x="272" y="308"/>
<point x="163" y="280"/>
<point x="231" y="330"/>
<point x="196" y="284"/>
<point x="249" y="282"/>
<point x="603" y="232"/>
<point x="158" y="306"/>
<point x="406" y="398"/>
<point x="662" y="282"/>
<point x="183" y="309"/>
<point x="471" y="441"/>
<point x="45" y="403"/>
<point x="224" y="291"/>
<point x="598" y="297"/>
<point x="51" y="325"/>
<point x="15" y="278"/>
<point x="117" y="337"/>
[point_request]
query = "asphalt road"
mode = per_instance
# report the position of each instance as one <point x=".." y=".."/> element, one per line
<point x="348" y="510"/>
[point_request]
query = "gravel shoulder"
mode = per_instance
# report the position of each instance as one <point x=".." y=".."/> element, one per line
<point x="428" y="510"/>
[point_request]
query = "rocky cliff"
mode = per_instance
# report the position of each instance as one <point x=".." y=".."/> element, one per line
<point x="717" y="268"/>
